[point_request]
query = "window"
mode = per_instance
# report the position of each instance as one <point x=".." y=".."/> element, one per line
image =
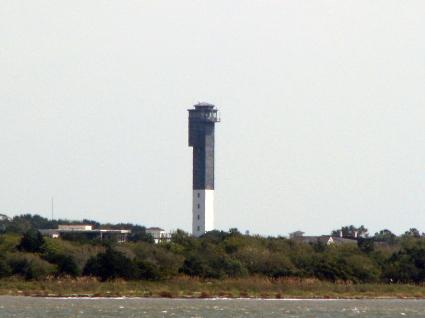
<point x="199" y="206"/>
<point x="198" y="217"/>
<point x="199" y="228"/>
<point x="199" y="195"/>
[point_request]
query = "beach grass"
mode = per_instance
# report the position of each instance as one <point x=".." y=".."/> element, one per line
<point x="186" y="287"/>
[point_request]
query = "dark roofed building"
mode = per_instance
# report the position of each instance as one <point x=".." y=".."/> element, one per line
<point x="77" y="231"/>
<point x="324" y="239"/>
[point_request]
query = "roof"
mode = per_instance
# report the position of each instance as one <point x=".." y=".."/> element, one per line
<point x="296" y="234"/>
<point x="76" y="224"/>
<point x="204" y="105"/>
<point x="52" y="231"/>
<point x="155" y="229"/>
<point x="324" y="239"/>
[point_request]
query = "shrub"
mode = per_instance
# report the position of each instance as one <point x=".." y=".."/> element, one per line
<point x="166" y="262"/>
<point x="32" y="241"/>
<point x="141" y="236"/>
<point x="4" y="268"/>
<point x="111" y="264"/>
<point x="278" y="265"/>
<point x="195" y="265"/>
<point x="362" y="269"/>
<point x="148" y="270"/>
<point x="225" y="266"/>
<point x="30" y="266"/>
<point x="80" y="253"/>
<point x="408" y="264"/>
<point x="65" y="264"/>
<point x="366" y="245"/>
<point x="8" y="243"/>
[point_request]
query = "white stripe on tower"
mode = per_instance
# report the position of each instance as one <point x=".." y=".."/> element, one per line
<point x="203" y="212"/>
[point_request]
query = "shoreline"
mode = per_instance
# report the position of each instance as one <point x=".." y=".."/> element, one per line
<point x="88" y="297"/>
<point x="250" y="288"/>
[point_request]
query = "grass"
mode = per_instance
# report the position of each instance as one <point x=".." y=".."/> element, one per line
<point x="185" y="287"/>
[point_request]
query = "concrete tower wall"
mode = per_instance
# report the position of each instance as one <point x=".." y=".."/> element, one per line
<point x="203" y="160"/>
<point x="203" y="212"/>
<point x="202" y="121"/>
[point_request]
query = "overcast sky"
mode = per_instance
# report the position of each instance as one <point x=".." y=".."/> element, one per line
<point x="322" y="106"/>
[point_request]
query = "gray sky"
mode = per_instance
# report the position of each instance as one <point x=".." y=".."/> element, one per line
<point x="322" y="105"/>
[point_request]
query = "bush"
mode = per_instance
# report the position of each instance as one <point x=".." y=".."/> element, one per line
<point x="213" y="267"/>
<point x="65" y="264"/>
<point x="362" y="269"/>
<point x="165" y="262"/>
<point x="408" y="264"/>
<point x="8" y="243"/>
<point x="111" y="264"/>
<point x="4" y="269"/>
<point x="347" y="264"/>
<point x="228" y="267"/>
<point x="32" y="241"/>
<point x="80" y="253"/>
<point x="366" y="245"/>
<point x="278" y="265"/>
<point x="196" y="265"/>
<point x="141" y="236"/>
<point x="30" y="266"/>
<point x="148" y="270"/>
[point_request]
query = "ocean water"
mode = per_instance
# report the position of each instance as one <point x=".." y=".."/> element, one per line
<point x="25" y="307"/>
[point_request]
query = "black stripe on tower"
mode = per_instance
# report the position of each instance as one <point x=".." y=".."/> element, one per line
<point x="202" y="121"/>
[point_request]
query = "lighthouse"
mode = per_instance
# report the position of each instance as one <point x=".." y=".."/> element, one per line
<point x="202" y="121"/>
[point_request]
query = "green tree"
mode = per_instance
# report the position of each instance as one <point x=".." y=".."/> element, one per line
<point x="413" y="232"/>
<point x="361" y="269"/>
<point x="148" y="270"/>
<point x="141" y="236"/>
<point x="66" y="264"/>
<point x="408" y="264"/>
<point x="32" y="241"/>
<point x="385" y="236"/>
<point x="351" y="231"/>
<point x="111" y="264"/>
<point x="30" y="266"/>
<point x="5" y="269"/>
<point x="366" y="245"/>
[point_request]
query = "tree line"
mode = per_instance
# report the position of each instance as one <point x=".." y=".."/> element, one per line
<point x="381" y="258"/>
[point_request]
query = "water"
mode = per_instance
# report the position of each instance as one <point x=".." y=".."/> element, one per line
<point x="23" y="307"/>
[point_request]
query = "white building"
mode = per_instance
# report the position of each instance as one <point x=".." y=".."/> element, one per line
<point x="158" y="234"/>
<point x="75" y="227"/>
<point x="88" y="232"/>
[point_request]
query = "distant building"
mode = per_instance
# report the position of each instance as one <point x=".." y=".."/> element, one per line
<point x="324" y="239"/>
<point x="76" y="231"/>
<point x="76" y="227"/>
<point x="158" y="234"/>
<point x="296" y="234"/>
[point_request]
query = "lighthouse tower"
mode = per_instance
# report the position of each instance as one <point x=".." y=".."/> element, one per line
<point x="202" y="121"/>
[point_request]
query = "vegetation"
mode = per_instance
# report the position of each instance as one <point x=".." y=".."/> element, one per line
<point x="20" y="224"/>
<point x="184" y="287"/>
<point x="242" y="263"/>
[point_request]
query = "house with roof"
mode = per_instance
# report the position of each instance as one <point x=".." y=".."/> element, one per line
<point x="76" y="231"/>
<point x="158" y="234"/>
<point x="298" y="236"/>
